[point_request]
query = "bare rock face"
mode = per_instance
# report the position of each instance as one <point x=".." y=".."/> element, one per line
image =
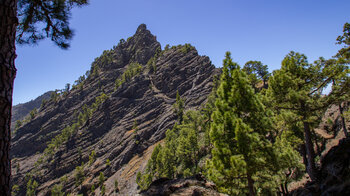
<point x="106" y="141"/>
<point x="196" y="185"/>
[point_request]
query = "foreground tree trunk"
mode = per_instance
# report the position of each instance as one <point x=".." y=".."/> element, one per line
<point x="311" y="166"/>
<point x="8" y="24"/>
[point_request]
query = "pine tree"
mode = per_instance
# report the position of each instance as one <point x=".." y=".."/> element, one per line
<point x="240" y="125"/>
<point x="337" y="71"/>
<point x="101" y="179"/>
<point x="79" y="175"/>
<point x="57" y="190"/>
<point x="164" y="160"/>
<point x="188" y="145"/>
<point x="345" y="41"/>
<point x="103" y="190"/>
<point x="179" y="107"/>
<point x="31" y="187"/>
<point x="256" y="72"/>
<point x="297" y="87"/>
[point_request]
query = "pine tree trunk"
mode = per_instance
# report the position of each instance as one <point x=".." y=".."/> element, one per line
<point x="303" y="153"/>
<point x="250" y="184"/>
<point x="311" y="166"/>
<point x="8" y="24"/>
<point x="343" y="120"/>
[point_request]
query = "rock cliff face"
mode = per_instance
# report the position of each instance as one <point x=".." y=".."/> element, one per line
<point x="110" y="122"/>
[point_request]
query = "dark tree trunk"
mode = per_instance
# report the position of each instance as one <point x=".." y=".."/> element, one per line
<point x="311" y="166"/>
<point x="8" y="24"/>
<point x="282" y="190"/>
<point x="250" y="185"/>
<point x="343" y="120"/>
<point x="286" y="187"/>
<point x="303" y="153"/>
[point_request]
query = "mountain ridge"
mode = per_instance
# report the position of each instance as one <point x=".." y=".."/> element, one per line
<point x="21" y="110"/>
<point x="90" y="127"/>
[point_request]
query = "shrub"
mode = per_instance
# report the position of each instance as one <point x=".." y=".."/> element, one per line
<point x="92" y="157"/>
<point x="57" y="190"/>
<point x="116" y="186"/>
<point x="79" y="175"/>
<point x="101" y="179"/>
<point x="103" y="190"/>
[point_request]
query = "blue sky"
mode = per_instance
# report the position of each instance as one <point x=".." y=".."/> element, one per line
<point x="264" y="30"/>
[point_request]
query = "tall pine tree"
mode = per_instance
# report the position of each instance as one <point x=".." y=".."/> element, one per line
<point x="298" y="88"/>
<point x="238" y="131"/>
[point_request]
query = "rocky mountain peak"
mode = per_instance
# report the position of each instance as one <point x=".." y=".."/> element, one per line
<point x="91" y="128"/>
<point x="142" y="45"/>
<point x="138" y="48"/>
<point x="142" y="27"/>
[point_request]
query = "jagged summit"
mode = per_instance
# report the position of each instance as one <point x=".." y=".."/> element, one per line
<point x="90" y="128"/>
<point x="141" y="27"/>
<point x="138" y="48"/>
<point x="142" y="45"/>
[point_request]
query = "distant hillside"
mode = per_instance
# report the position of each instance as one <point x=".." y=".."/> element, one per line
<point x="21" y="110"/>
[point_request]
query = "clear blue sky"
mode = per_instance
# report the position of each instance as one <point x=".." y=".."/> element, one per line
<point x="264" y="30"/>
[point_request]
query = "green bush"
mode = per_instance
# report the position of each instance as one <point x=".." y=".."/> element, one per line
<point x="103" y="190"/>
<point x="57" y="190"/>
<point x="79" y="175"/>
<point x="101" y="179"/>
<point x="92" y="157"/>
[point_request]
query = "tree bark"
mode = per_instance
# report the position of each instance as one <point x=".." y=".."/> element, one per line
<point x="250" y="185"/>
<point x="311" y="166"/>
<point x="303" y="153"/>
<point x="8" y="24"/>
<point x="343" y="120"/>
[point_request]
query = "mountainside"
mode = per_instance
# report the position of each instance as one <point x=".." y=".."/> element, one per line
<point x="19" y="111"/>
<point x="109" y="122"/>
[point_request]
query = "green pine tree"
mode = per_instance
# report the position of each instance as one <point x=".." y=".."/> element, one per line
<point x="298" y="88"/>
<point x="345" y="41"/>
<point x="240" y="125"/>
<point x="101" y="179"/>
<point x="179" y="107"/>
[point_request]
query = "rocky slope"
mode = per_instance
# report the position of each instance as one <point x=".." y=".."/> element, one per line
<point x="19" y="111"/>
<point x="196" y="185"/>
<point x="109" y="122"/>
